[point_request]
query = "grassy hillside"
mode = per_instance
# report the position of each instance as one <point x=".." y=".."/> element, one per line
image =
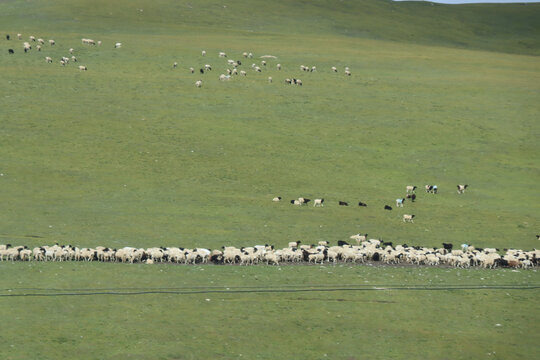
<point x="192" y="312"/>
<point x="131" y="153"/>
<point x="501" y="27"/>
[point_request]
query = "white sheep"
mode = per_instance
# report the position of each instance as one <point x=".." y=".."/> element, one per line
<point x="48" y="59"/>
<point x="117" y="45"/>
<point x="198" y="83"/>
<point x="408" y="218"/>
<point x="318" y="202"/>
<point x="52" y="42"/>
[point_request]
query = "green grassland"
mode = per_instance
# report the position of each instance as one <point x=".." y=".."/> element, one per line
<point x="130" y="153"/>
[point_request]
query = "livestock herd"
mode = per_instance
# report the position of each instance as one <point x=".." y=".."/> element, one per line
<point x="410" y="194"/>
<point x="232" y="67"/>
<point x="366" y="250"/>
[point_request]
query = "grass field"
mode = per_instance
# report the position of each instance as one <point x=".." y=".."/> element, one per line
<point x="130" y="153"/>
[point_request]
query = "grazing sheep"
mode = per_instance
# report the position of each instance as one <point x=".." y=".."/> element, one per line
<point x="41" y="41"/>
<point x="192" y="70"/>
<point x="52" y="42"/>
<point x="298" y="82"/>
<point x="276" y="199"/>
<point x="222" y="54"/>
<point x="198" y="83"/>
<point x="19" y="36"/>
<point x="278" y="66"/>
<point x="117" y="45"/>
<point x="410" y="188"/>
<point x="201" y="70"/>
<point x="359" y="238"/>
<point x="318" y="202"/>
<point x="263" y="63"/>
<point x="71" y="50"/>
<point x="296" y="202"/>
<point x="258" y="69"/>
<point x="313" y="68"/>
<point x="175" y="65"/>
<point x="82" y="68"/>
<point x="62" y="62"/>
<point x="203" y="53"/>
<point x="243" y="73"/>
<point x="387" y="207"/>
<point x="245" y="54"/>
<point x="74" y="59"/>
<point x="38" y="48"/>
<point x="32" y="38"/>
<point x="408" y="218"/>
<point x="288" y="81"/>
<point x="461" y="188"/>
<point x="361" y="203"/>
<point x="343" y="203"/>
<point x="7" y="37"/>
<point x="269" y="79"/>
<point x="399" y="202"/>
<point x="429" y="188"/>
<point x="334" y="69"/>
<point x="347" y="72"/>
<point x="303" y="200"/>
<point x="294" y="244"/>
<point x="99" y="42"/>
<point x="11" y="51"/>
<point x="411" y="196"/>
<point x="48" y="59"/>
<point x="207" y="67"/>
<point x="250" y="55"/>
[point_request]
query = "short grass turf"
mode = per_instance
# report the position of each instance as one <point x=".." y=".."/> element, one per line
<point x="217" y="321"/>
<point x="130" y="153"/>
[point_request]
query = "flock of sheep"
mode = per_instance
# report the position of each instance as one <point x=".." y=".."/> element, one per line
<point x="410" y="194"/>
<point x="233" y="66"/>
<point x="365" y="250"/>
<point x="64" y="60"/>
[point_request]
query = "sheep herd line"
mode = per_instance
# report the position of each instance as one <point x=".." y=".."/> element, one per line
<point x="372" y="250"/>
<point x="231" y="67"/>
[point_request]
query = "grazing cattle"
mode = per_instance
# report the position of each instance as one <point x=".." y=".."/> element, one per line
<point x="318" y="202"/>
<point x="296" y="202"/>
<point x="10" y="51"/>
<point x="411" y="196"/>
<point x="277" y="198"/>
<point x="198" y="83"/>
<point x="399" y="202"/>
<point x="7" y="37"/>
<point x="461" y="188"/>
<point x="82" y="68"/>
<point x="410" y="189"/>
<point x="387" y="207"/>
<point x="361" y="203"/>
<point x="408" y="218"/>
<point x="343" y="203"/>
